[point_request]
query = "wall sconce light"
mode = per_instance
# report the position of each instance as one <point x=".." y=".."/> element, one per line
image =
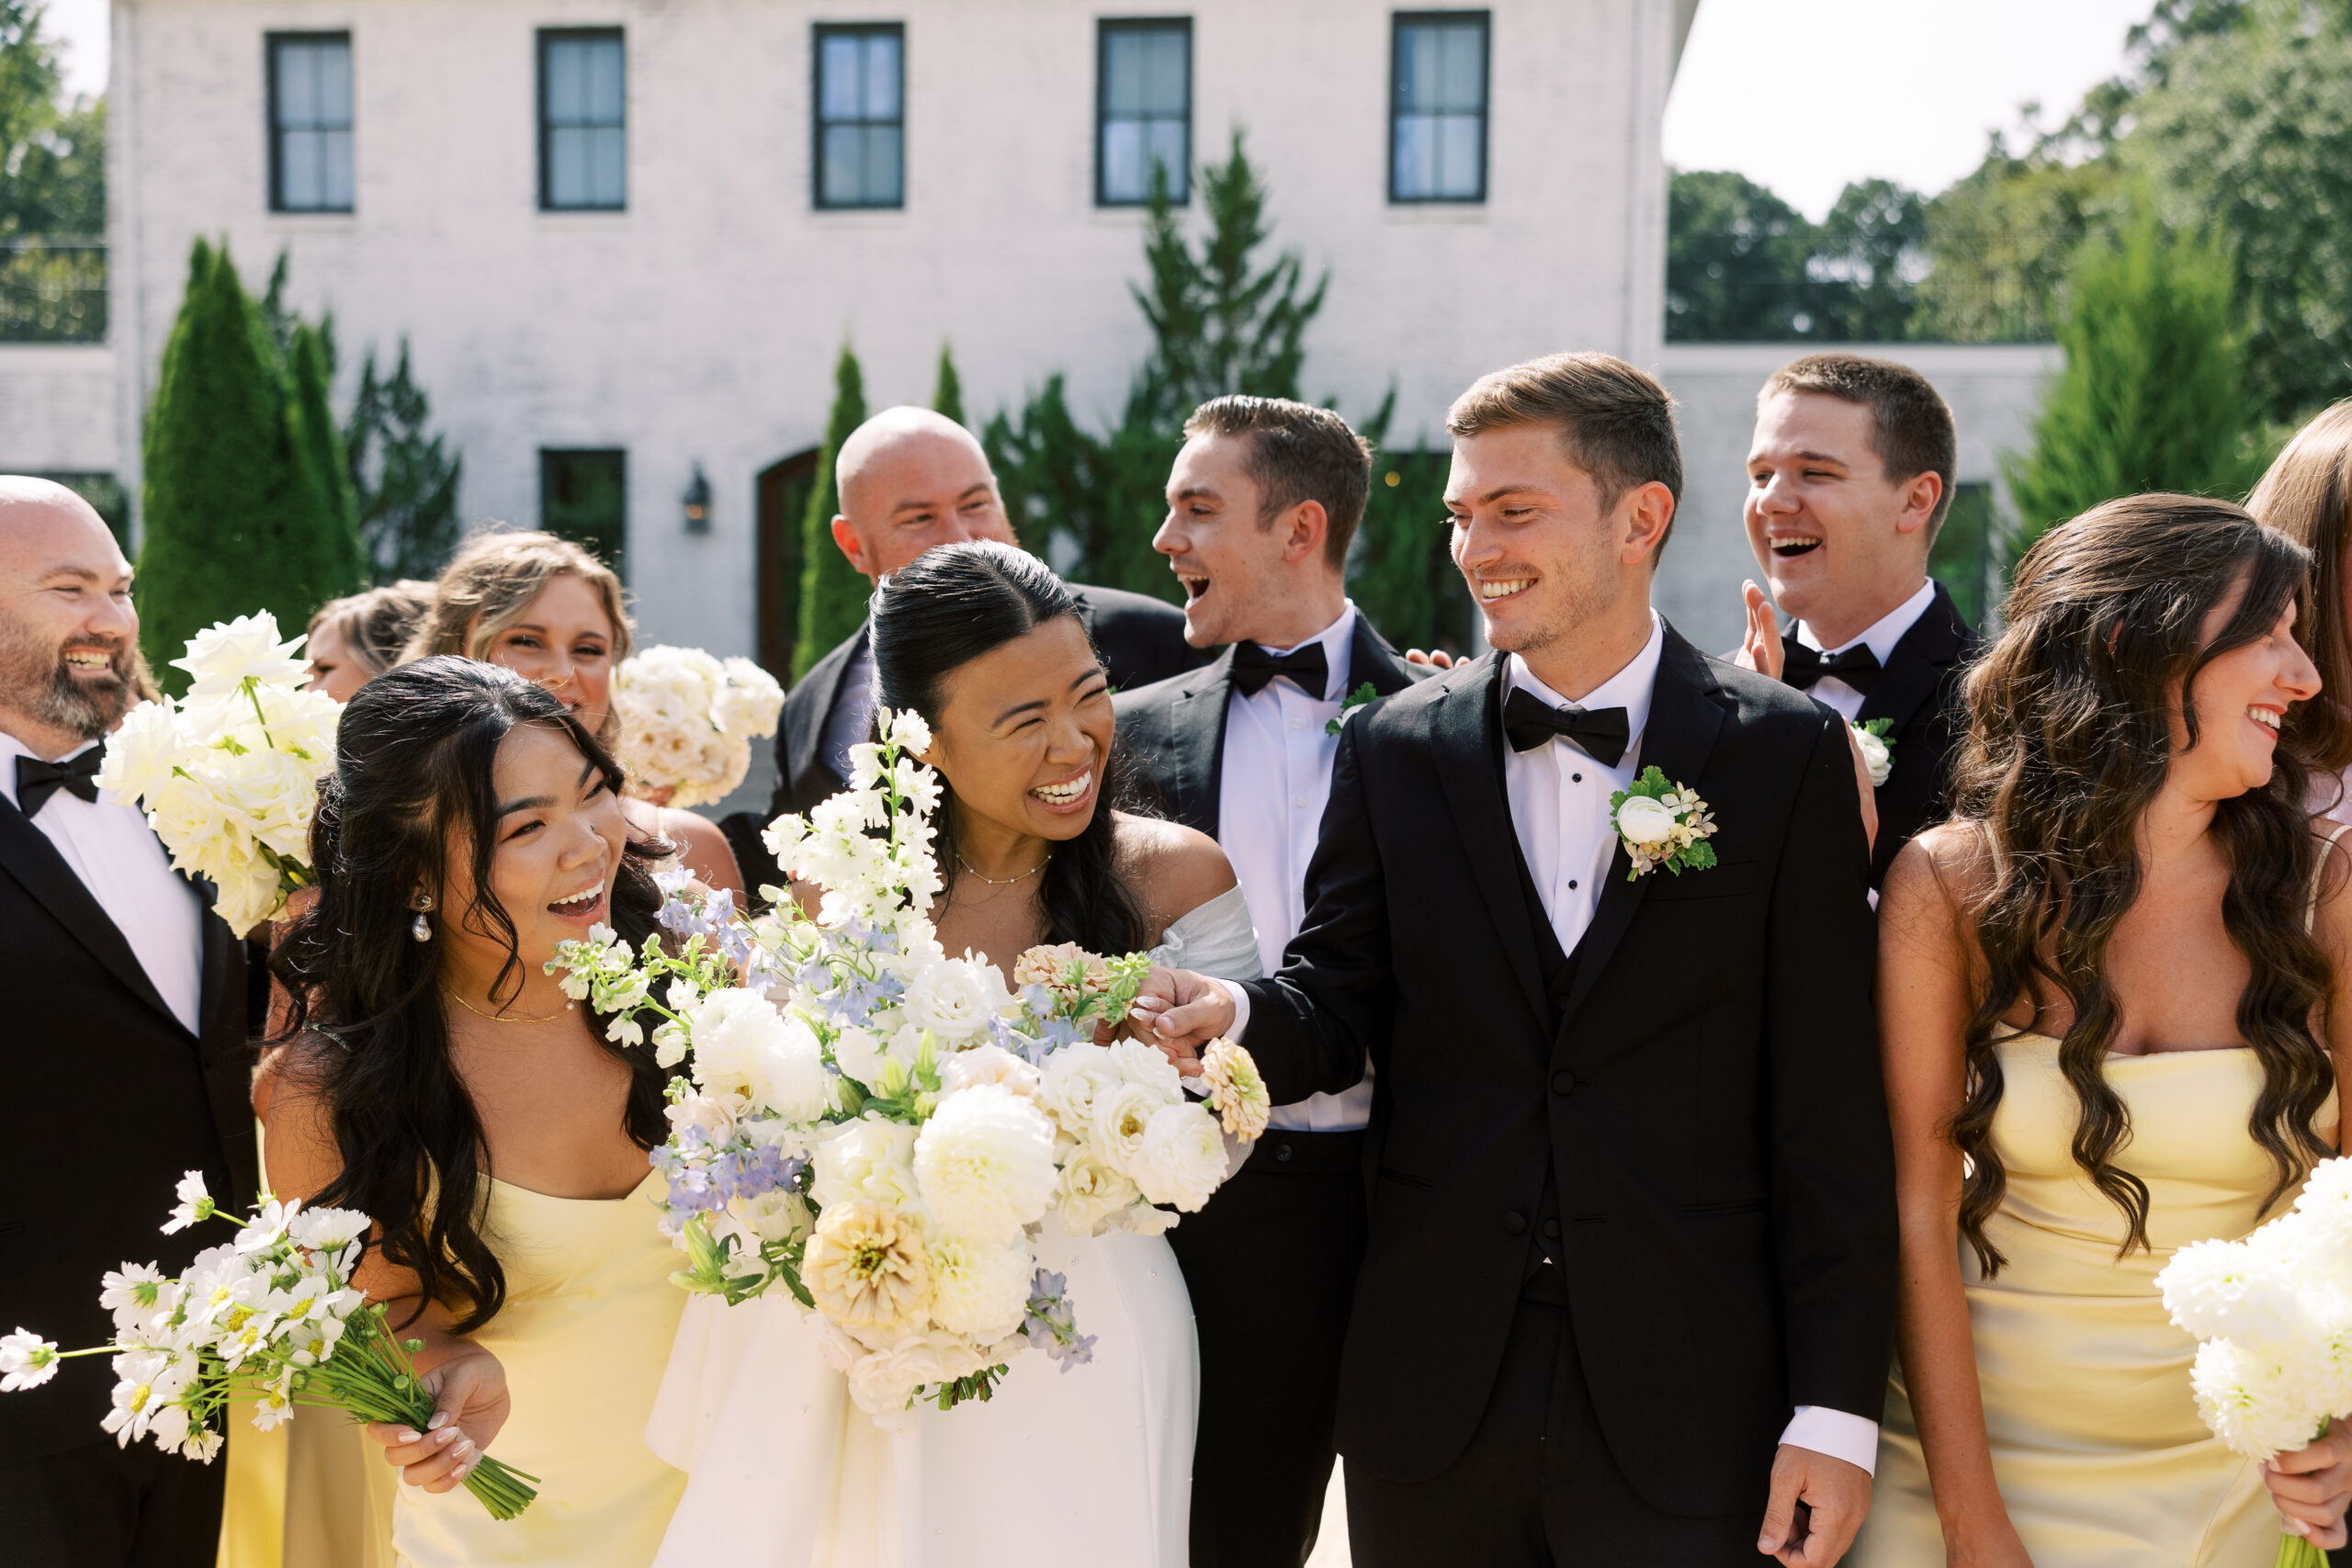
<point x="697" y="500"/>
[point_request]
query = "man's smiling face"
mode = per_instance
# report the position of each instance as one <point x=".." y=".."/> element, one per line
<point x="1823" y="518"/>
<point x="69" y="636"/>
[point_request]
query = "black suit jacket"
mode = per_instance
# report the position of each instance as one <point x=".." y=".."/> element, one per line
<point x="1175" y="729"/>
<point x="110" y="1100"/>
<point x="1710" y="1106"/>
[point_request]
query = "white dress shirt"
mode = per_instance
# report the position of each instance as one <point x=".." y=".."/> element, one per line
<point x="1880" y="639"/>
<point x="1272" y="782"/>
<point x="851" y="719"/>
<point x="109" y="846"/>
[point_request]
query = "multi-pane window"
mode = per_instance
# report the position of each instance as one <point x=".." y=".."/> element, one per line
<point x="1143" y="96"/>
<point x="584" y="497"/>
<point x="583" y="120"/>
<point x="861" y="138"/>
<point x="1437" y="124"/>
<point x="310" y="122"/>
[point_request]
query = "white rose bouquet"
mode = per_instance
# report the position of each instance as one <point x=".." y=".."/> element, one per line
<point x="2274" y="1312"/>
<point x="688" y="720"/>
<point x="229" y="774"/>
<point x="885" y="1129"/>
<point x="269" y="1317"/>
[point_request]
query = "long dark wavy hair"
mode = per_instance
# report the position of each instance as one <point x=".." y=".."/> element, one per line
<point x="413" y="780"/>
<point x="943" y="610"/>
<point x="2069" y="741"/>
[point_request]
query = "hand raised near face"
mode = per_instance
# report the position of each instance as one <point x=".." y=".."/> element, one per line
<point x="1760" y="650"/>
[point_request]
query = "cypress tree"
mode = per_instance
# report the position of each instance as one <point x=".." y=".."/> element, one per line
<point x="832" y="593"/>
<point x="948" y="398"/>
<point x="339" y="560"/>
<point x="405" y="478"/>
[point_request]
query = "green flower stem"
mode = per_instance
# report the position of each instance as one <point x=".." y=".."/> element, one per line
<point x="2295" y="1551"/>
<point x="371" y="1376"/>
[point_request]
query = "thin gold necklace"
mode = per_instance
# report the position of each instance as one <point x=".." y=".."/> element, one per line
<point x="502" y="1017"/>
<point x="1004" y="881"/>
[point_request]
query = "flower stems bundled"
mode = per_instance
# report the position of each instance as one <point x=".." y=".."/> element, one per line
<point x="2274" y="1313"/>
<point x="270" y="1318"/>
<point x="882" y="1129"/>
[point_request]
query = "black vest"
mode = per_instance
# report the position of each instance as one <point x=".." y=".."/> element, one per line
<point x="1545" y="1280"/>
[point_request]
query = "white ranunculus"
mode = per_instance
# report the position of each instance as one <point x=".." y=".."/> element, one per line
<point x="225" y="655"/>
<point x="1090" y="1192"/>
<point x="882" y="1381"/>
<point x="1876" y="756"/>
<point x="985" y="1160"/>
<point x="777" y="1215"/>
<point x="1122" y="1113"/>
<point x="788" y="1077"/>
<point x="980" y="1288"/>
<point x="1182" y="1157"/>
<point x="989" y="1064"/>
<point x="869" y="1157"/>
<point x="1075" y="1077"/>
<point x="715" y="1114"/>
<point x="1149" y="1065"/>
<point x="955" y="997"/>
<point x="1645" y="821"/>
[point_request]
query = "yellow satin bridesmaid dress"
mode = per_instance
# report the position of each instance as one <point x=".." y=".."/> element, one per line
<point x="2097" y="1446"/>
<point x="584" y="1333"/>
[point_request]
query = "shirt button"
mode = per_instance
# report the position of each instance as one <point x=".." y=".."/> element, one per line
<point x="1572" y="883"/>
<point x="1282" y="1152"/>
<point x="1575" y="778"/>
<point x="1551" y="1232"/>
<point x="1299" y="801"/>
<point x="1563" y="1082"/>
<point x="1298" y="724"/>
<point x="1514" y="1223"/>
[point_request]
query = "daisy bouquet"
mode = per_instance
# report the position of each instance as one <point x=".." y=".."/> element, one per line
<point x="229" y="774"/>
<point x="688" y="720"/>
<point x="2274" y="1313"/>
<point x="884" y="1129"/>
<point x="269" y="1317"/>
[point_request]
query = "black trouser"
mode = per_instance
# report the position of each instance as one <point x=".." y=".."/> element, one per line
<point x="1537" y="1485"/>
<point x="1271" y="1264"/>
<point x="101" y="1506"/>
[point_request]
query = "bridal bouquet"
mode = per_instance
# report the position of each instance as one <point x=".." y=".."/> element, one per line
<point x="270" y="1317"/>
<point x="2274" y="1312"/>
<point x="884" y="1129"/>
<point x="688" y="720"/>
<point x="229" y="774"/>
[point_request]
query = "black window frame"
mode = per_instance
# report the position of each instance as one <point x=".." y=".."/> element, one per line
<point x="545" y="36"/>
<point x="274" y="131"/>
<point x="819" y="33"/>
<point x="1104" y="29"/>
<point x="550" y="458"/>
<point x="1398" y="22"/>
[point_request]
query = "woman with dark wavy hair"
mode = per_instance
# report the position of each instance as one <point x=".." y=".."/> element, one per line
<point x="438" y="1079"/>
<point x="2109" y="1003"/>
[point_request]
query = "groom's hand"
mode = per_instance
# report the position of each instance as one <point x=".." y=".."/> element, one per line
<point x="1180" y="1012"/>
<point x="1835" y="1495"/>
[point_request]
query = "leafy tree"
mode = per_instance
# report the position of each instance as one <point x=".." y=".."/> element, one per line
<point x="405" y="479"/>
<point x="2149" y="396"/>
<point x="948" y="396"/>
<point x="342" y="559"/>
<point x="1401" y="572"/>
<point x="832" y="594"/>
<point x="1735" y="260"/>
<point x="1999" y="241"/>
<point x="52" y="190"/>
<point x="1866" y="259"/>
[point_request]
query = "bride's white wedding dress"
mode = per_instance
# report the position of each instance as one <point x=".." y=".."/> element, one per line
<point x="1091" y="1465"/>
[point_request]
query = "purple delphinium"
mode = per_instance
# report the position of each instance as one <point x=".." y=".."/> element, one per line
<point x="1051" y="1326"/>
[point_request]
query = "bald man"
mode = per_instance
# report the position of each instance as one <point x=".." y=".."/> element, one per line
<point x="124" y="1045"/>
<point x="912" y="480"/>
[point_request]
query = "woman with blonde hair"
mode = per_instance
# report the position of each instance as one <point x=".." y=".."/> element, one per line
<point x="354" y="639"/>
<point x="2307" y="495"/>
<point x="555" y="615"/>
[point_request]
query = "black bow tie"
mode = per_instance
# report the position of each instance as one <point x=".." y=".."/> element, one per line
<point x="1528" y="721"/>
<point x="1253" y="667"/>
<point x="1802" y="666"/>
<point x="37" y="780"/>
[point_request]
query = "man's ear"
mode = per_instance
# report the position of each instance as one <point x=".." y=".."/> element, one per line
<point x="1307" y="525"/>
<point x="1921" y="494"/>
<point x="852" y="546"/>
<point x="1647" y="512"/>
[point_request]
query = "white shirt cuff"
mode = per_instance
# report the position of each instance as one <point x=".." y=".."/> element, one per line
<point x="1835" y="1433"/>
<point x="1241" y="1010"/>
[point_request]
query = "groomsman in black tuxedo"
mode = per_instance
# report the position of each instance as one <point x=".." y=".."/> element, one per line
<point x="128" y="1060"/>
<point x="1261" y="504"/>
<point x="910" y="480"/>
<point x="1849" y="477"/>
<point x="1629" y="1292"/>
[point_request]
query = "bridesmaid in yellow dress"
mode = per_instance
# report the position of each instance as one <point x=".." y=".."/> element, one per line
<point x="472" y="824"/>
<point x="2108" y="994"/>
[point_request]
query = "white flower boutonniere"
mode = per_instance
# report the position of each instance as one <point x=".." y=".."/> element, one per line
<point x="1662" y="824"/>
<point x="1355" y="700"/>
<point x="1876" y="739"/>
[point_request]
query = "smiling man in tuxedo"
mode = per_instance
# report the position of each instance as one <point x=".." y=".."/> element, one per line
<point x="125" y="1047"/>
<point x="1262" y="503"/>
<point x="1629" y="1292"/>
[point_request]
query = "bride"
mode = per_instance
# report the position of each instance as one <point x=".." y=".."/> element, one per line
<point x="1088" y="1463"/>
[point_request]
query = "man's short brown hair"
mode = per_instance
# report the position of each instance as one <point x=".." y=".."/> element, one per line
<point x="1617" y="423"/>
<point x="1911" y="427"/>
<point x="1296" y="453"/>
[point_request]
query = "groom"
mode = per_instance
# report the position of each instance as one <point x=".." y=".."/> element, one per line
<point x="1629" y="1289"/>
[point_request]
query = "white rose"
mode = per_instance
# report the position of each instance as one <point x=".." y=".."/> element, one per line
<point x="1075" y="1076"/>
<point x="142" y="752"/>
<point x="1182" y="1157"/>
<point x="1122" y="1114"/>
<point x="1876" y="757"/>
<point x="732" y="1029"/>
<point x="223" y="655"/>
<point x="777" y="1215"/>
<point x="1645" y="821"/>
<point x="713" y="1113"/>
<point x="865" y="1158"/>
<point x="1090" y="1192"/>
<point x="1149" y="1065"/>
<point x="986" y="1162"/>
<point x="788" y="1076"/>
<point x="954" y="997"/>
<point x="980" y="1288"/>
<point x="989" y="1064"/>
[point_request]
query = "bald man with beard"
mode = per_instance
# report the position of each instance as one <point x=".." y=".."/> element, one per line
<point x="124" y="1045"/>
<point x="910" y="480"/>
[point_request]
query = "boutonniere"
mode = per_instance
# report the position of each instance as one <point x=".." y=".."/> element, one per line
<point x="1875" y="737"/>
<point x="1662" y="824"/>
<point x="1353" y="701"/>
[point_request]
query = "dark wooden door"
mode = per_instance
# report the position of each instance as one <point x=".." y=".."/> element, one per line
<point x="785" y="489"/>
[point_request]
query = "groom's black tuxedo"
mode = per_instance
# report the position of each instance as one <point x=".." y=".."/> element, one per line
<point x="1691" y="1099"/>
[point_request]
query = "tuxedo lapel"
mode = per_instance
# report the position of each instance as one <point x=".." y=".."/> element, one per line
<point x="218" y="939"/>
<point x="1917" y="666"/>
<point x="823" y="684"/>
<point x="27" y="854"/>
<point x="1370" y="658"/>
<point x="1465" y="737"/>
<point x="1192" y="755"/>
<point x="1684" y="718"/>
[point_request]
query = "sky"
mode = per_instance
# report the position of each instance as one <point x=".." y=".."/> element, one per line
<point x="1803" y="95"/>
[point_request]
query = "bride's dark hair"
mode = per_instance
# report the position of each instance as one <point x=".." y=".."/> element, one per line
<point x="949" y="606"/>
<point x="2068" y="743"/>
<point x="413" y="758"/>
